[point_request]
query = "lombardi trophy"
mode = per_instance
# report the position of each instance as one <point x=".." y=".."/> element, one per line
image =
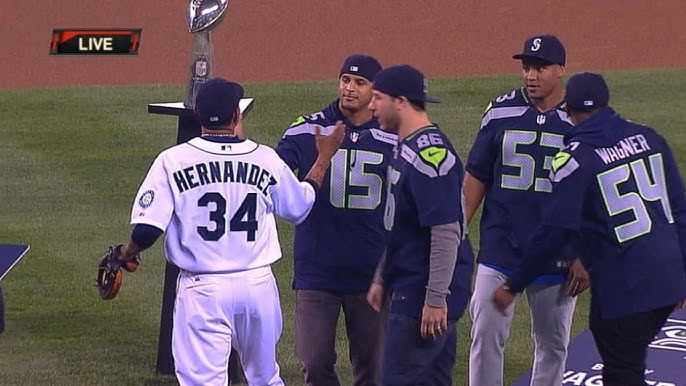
<point x="203" y="17"/>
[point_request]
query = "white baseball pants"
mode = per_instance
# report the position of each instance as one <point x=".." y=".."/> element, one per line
<point x="216" y="311"/>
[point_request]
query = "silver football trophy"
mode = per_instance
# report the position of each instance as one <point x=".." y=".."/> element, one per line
<point x="203" y="17"/>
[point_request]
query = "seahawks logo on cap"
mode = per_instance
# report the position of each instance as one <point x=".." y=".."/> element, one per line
<point x="146" y="199"/>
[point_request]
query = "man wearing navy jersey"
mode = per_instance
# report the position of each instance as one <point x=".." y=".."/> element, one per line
<point x="428" y="292"/>
<point x="338" y="246"/>
<point x="617" y="187"/>
<point x="507" y="169"/>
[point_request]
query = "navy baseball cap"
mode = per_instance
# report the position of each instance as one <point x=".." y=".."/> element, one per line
<point x="403" y="80"/>
<point x="217" y="101"/>
<point x="547" y="48"/>
<point x="361" y="65"/>
<point x="587" y="91"/>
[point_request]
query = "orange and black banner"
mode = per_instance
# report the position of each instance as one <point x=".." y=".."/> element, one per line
<point x="110" y="41"/>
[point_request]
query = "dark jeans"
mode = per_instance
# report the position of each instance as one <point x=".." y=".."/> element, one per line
<point x="316" y="317"/>
<point x="413" y="361"/>
<point x="623" y="344"/>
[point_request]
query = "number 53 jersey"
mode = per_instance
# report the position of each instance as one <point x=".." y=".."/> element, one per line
<point x="512" y="156"/>
<point x="216" y="200"/>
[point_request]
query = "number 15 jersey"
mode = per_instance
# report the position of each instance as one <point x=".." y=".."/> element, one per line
<point x="339" y="245"/>
<point x="512" y="156"/>
<point x="216" y="199"/>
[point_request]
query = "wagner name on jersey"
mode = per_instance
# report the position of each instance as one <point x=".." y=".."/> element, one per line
<point x="618" y="184"/>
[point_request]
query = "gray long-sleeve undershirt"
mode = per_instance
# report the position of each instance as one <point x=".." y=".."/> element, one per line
<point x="445" y="241"/>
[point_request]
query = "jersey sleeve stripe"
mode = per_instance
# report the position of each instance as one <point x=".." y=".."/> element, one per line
<point x="383" y="136"/>
<point x="308" y="128"/>
<point x="447" y="165"/>
<point x="415" y="160"/>
<point x="563" y="116"/>
<point x="503" y="112"/>
<point x="569" y="167"/>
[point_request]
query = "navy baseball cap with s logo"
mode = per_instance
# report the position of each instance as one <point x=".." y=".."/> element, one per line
<point x="547" y="48"/>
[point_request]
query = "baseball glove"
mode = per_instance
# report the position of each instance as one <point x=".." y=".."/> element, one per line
<point x="110" y="273"/>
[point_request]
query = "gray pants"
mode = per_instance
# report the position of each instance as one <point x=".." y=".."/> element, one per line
<point x="316" y="317"/>
<point x="551" y="321"/>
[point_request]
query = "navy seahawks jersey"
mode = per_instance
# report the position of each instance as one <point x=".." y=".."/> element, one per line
<point x="617" y="184"/>
<point x="512" y="156"/>
<point x="424" y="190"/>
<point x="340" y="243"/>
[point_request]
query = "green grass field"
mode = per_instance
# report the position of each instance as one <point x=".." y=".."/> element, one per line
<point x="72" y="160"/>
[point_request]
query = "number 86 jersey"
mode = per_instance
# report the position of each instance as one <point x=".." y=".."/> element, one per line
<point x="216" y="199"/>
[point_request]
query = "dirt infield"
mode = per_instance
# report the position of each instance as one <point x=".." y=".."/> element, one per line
<point x="285" y="40"/>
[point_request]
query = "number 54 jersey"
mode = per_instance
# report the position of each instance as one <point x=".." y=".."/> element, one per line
<point x="617" y="183"/>
<point x="512" y="156"/>
<point x="216" y="199"/>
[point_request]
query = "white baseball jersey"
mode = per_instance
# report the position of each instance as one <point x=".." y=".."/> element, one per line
<point x="217" y="200"/>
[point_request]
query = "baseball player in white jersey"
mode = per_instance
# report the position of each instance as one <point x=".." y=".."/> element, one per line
<point x="215" y="196"/>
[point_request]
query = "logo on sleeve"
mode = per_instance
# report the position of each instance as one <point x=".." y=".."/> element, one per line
<point x="562" y="166"/>
<point x="434" y="155"/>
<point x="298" y="121"/>
<point x="432" y="161"/>
<point x="560" y="160"/>
<point x="146" y="199"/>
